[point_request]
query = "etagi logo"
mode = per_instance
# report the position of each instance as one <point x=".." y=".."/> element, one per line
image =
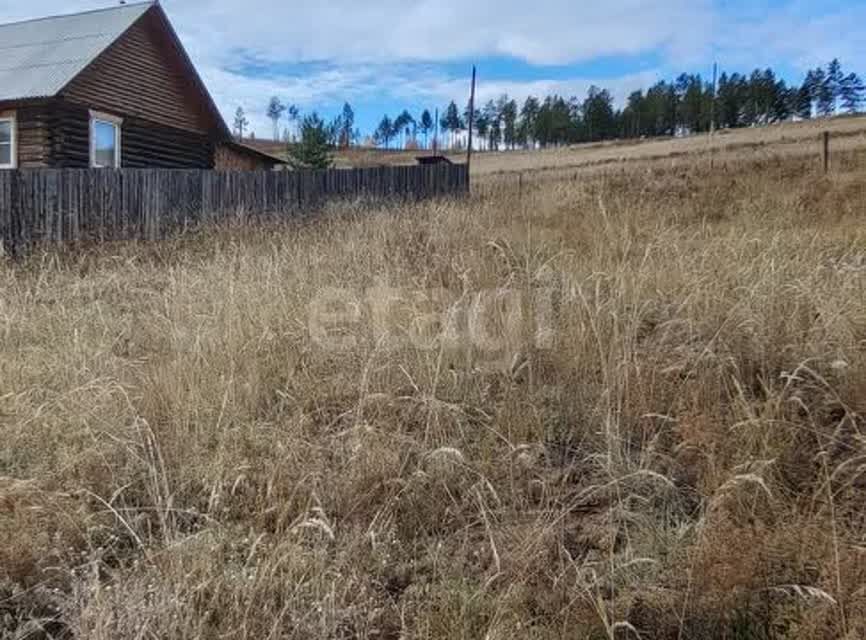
<point x="489" y="321"/>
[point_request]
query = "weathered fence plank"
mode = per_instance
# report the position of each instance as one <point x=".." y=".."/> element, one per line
<point x="69" y="205"/>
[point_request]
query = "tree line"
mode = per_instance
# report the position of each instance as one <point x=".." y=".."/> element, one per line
<point x="338" y="132"/>
<point x="688" y="104"/>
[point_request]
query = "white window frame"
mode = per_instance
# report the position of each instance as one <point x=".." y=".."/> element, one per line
<point x="13" y="159"/>
<point x="117" y="123"/>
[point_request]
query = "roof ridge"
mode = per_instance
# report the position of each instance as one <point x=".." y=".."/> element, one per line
<point x="80" y="13"/>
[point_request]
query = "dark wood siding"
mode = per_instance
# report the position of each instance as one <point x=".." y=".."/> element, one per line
<point x="143" y="75"/>
<point x="34" y="128"/>
<point x="57" y="135"/>
<point x="70" y="136"/>
<point x="147" y="145"/>
<point x="234" y="158"/>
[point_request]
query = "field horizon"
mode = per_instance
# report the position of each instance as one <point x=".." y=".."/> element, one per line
<point x="787" y="137"/>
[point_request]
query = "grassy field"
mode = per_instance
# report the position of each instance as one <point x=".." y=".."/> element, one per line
<point x="625" y="405"/>
<point x="789" y="139"/>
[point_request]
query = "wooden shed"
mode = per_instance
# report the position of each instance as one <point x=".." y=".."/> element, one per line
<point x="236" y="156"/>
<point x="433" y="160"/>
<point x="107" y="89"/>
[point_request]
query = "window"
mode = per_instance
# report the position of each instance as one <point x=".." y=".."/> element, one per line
<point x="104" y="141"/>
<point x="8" y="153"/>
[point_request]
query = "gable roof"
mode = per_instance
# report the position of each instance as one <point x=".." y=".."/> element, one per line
<point x="39" y="58"/>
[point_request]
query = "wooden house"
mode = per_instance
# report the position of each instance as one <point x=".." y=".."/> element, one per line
<point x="109" y="88"/>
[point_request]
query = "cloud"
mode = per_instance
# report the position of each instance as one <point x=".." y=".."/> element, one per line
<point x="348" y="31"/>
<point x="800" y="34"/>
<point x="403" y="85"/>
<point x="325" y="51"/>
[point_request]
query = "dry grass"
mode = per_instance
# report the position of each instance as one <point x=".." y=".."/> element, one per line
<point x="645" y="419"/>
<point x="783" y="140"/>
<point x="791" y="139"/>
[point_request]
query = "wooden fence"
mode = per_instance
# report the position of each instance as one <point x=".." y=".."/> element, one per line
<point x="70" y="205"/>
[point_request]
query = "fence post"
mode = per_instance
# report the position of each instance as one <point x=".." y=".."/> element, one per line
<point x="825" y="137"/>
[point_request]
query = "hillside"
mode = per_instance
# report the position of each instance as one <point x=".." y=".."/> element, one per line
<point x="629" y="404"/>
<point x="788" y="138"/>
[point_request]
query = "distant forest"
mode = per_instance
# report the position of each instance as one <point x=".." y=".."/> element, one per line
<point x="688" y="104"/>
<point x="684" y="105"/>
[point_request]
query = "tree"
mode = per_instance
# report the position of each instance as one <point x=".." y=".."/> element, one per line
<point x="852" y="92"/>
<point x="294" y="115"/>
<point x="241" y="123"/>
<point x="313" y="151"/>
<point x="426" y="125"/>
<point x="834" y="83"/>
<point x="443" y="124"/>
<point x="528" y="116"/>
<point x="482" y="126"/>
<point x="452" y="121"/>
<point x="509" y="121"/>
<point x="333" y="130"/>
<point x="402" y="125"/>
<point x="803" y="102"/>
<point x="822" y="93"/>
<point x="347" y="127"/>
<point x="275" y="113"/>
<point x="493" y="118"/>
<point x="384" y="132"/>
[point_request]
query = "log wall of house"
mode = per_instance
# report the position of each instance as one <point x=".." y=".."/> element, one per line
<point x="147" y="145"/>
<point x="143" y="74"/>
<point x="57" y="135"/>
<point x="33" y="134"/>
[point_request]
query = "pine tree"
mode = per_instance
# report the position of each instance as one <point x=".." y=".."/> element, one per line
<point x="426" y="125"/>
<point x="803" y="102"/>
<point x="275" y="112"/>
<point x="384" y="132"/>
<point x="494" y="125"/>
<point x="632" y="115"/>
<point x="482" y="125"/>
<point x="241" y="122"/>
<point x="293" y="114"/>
<point x="598" y="116"/>
<point x="347" y="126"/>
<point x="784" y="103"/>
<point x="852" y="92"/>
<point x="822" y="93"/>
<point x="834" y="83"/>
<point x="401" y="125"/>
<point x="509" y="121"/>
<point x="528" y="116"/>
<point x="313" y="151"/>
<point x="452" y="121"/>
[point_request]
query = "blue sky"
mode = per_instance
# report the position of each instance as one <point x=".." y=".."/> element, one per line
<point x="386" y="55"/>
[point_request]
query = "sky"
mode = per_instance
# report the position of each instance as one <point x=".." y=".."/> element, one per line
<point x="386" y="55"/>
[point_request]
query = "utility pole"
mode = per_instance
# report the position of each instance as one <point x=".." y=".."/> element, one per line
<point x="713" y="104"/>
<point x="713" y="116"/>
<point x="471" y="121"/>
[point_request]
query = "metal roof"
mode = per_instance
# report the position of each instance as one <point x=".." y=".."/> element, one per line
<point x="40" y="57"/>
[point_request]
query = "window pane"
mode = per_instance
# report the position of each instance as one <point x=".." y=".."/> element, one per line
<point x="104" y="158"/>
<point x="104" y="140"/>
<point x="5" y="142"/>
